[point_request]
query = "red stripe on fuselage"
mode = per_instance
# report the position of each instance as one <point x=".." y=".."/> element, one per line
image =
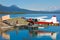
<point x="43" y="22"/>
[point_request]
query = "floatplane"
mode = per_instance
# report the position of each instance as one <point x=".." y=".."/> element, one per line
<point x="44" y="21"/>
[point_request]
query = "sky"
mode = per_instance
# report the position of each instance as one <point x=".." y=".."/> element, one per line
<point x="37" y="5"/>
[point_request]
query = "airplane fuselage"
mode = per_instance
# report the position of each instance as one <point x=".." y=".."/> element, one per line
<point x="52" y="21"/>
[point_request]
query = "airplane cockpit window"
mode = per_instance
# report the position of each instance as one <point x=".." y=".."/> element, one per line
<point x="35" y="20"/>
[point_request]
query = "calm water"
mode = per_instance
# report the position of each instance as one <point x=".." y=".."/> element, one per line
<point x="25" y="33"/>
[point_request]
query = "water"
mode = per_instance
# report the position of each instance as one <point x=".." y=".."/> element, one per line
<point x="25" y="33"/>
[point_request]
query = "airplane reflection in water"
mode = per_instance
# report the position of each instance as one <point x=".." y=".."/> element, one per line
<point x="32" y="26"/>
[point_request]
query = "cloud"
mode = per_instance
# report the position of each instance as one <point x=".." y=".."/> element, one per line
<point x="52" y="8"/>
<point x="43" y="7"/>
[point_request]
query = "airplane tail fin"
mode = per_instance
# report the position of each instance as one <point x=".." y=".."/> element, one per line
<point x="54" y="19"/>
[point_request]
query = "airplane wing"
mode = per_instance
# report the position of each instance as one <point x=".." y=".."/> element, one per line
<point x="42" y="17"/>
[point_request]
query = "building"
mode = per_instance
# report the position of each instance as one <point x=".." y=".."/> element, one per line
<point x="5" y="17"/>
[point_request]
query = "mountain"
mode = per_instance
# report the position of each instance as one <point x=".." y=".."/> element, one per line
<point x="14" y="8"/>
<point x="57" y="10"/>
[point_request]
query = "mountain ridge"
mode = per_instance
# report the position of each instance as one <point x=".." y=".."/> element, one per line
<point x="14" y="8"/>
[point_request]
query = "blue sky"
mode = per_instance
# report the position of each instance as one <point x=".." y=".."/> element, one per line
<point x="45" y="5"/>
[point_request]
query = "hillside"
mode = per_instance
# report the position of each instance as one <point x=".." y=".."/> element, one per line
<point x="16" y="9"/>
